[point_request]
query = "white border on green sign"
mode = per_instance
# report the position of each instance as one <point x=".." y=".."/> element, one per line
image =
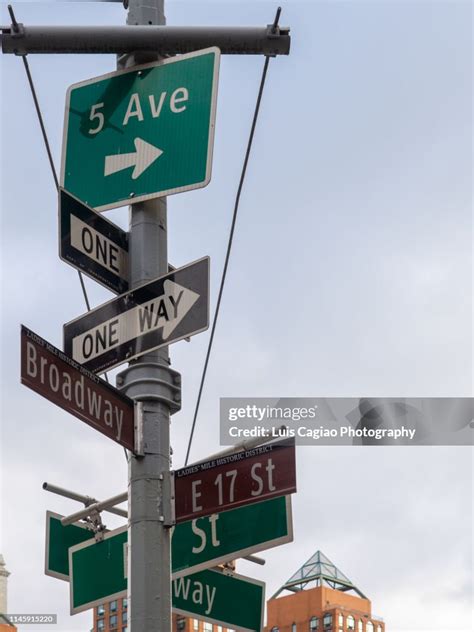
<point x="96" y="602"/>
<point x="256" y="548"/>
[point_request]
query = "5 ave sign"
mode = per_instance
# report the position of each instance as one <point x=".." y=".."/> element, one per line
<point x="142" y="133"/>
<point x="155" y="314"/>
<point x="235" y="480"/>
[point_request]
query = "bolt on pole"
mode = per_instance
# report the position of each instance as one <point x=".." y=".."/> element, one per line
<point x="149" y="380"/>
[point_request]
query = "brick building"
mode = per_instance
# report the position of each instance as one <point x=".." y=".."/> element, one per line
<point x="112" y="617"/>
<point x="322" y="599"/>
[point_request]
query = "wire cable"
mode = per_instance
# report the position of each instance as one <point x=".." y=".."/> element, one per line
<point x="227" y="257"/>
<point x="50" y="157"/>
<point x="48" y="151"/>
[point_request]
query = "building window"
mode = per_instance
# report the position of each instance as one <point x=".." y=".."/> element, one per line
<point x="113" y="606"/>
<point x="100" y="610"/>
<point x="181" y="624"/>
<point x="275" y="629"/>
<point x="100" y="624"/>
<point x="124" y="616"/>
<point x="207" y="627"/>
<point x="195" y="625"/>
<point x="379" y="628"/>
<point x="293" y="627"/>
<point x="113" y="621"/>
<point x="341" y="621"/>
<point x="350" y="622"/>
<point x="369" y="626"/>
<point x="360" y="626"/>
<point x="327" y="620"/>
<point x="219" y="628"/>
<point x="125" y="602"/>
<point x="125" y="629"/>
<point x="313" y="624"/>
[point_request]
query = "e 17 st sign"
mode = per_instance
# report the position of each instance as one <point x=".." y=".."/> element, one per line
<point x="235" y="480"/>
<point x="141" y="133"/>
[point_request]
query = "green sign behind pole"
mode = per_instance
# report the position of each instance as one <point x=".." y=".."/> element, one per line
<point x="142" y="133"/>
<point x="58" y="541"/>
<point x="98" y="570"/>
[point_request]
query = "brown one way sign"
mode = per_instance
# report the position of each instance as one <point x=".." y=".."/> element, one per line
<point x="51" y="373"/>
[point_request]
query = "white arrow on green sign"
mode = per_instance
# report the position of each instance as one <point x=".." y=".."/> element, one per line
<point x="141" y="133"/>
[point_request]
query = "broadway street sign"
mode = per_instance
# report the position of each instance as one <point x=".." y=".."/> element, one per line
<point x="98" y="573"/>
<point x="92" y="244"/>
<point x="51" y="373"/>
<point x="155" y="314"/>
<point x="235" y="480"/>
<point x="58" y="541"/>
<point x="138" y="134"/>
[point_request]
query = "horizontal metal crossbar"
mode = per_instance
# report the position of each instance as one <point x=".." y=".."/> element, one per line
<point x="19" y="39"/>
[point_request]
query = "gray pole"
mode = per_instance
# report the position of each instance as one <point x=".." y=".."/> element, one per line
<point x="150" y="380"/>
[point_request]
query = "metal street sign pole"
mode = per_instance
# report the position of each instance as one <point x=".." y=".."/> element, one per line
<point x="150" y="380"/>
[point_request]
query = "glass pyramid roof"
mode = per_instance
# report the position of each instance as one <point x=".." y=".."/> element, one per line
<point x="320" y="570"/>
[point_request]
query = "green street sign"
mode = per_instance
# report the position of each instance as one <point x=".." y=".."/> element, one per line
<point x="142" y="133"/>
<point x="98" y="573"/>
<point x="197" y="544"/>
<point x="211" y="540"/>
<point x="98" y="570"/>
<point x="58" y="541"/>
<point x="229" y="600"/>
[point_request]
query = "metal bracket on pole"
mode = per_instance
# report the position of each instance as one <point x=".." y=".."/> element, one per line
<point x="168" y="509"/>
<point x="255" y="559"/>
<point x="165" y="384"/>
<point x="88" y="501"/>
<point x="138" y="424"/>
<point x="91" y="510"/>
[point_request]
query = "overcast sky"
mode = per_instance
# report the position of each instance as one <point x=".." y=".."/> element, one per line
<point x="351" y="275"/>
